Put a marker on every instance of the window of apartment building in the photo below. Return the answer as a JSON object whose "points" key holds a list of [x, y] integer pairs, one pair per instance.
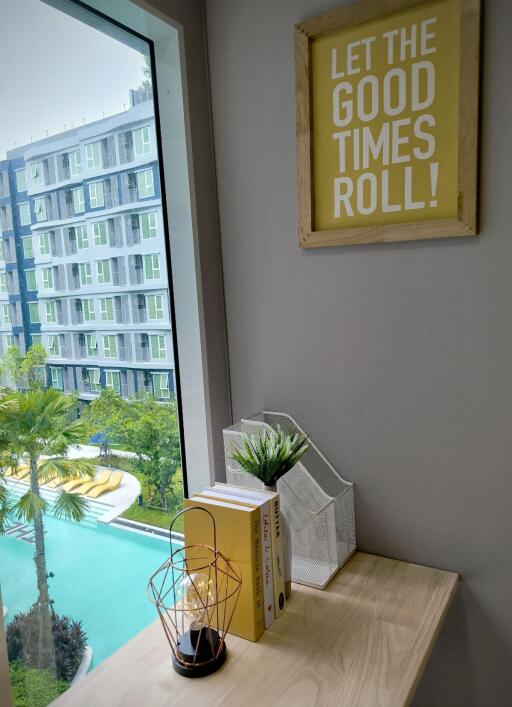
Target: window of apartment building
{"points": [[160, 385], [36, 173], [157, 346], [31, 280], [51, 312], [96, 195], [142, 141], [103, 271], [3, 282], [107, 309], [155, 307], [145, 185], [6, 313], [44, 243], [28, 247], [25, 218], [47, 278], [40, 209], [21, 179], [33, 311], [88, 310], [2, 256], [9, 341], [93, 375], [93, 155], [84, 271], [82, 239], [37, 339], [100, 233], [151, 266], [78, 200], [53, 345], [113, 380], [110, 346], [91, 344], [75, 163], [147, 223], [57, 378]]}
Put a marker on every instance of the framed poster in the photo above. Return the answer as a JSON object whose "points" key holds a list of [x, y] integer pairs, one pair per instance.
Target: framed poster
{"points": [[387, 122]]}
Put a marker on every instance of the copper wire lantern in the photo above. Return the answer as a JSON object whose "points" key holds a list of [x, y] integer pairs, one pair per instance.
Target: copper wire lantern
{"points": [[195, 592]]}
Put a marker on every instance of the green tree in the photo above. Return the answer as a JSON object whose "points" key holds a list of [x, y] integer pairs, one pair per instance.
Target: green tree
{"points": [[38, 427], [151, 431], [105, 415], [25, 371]]}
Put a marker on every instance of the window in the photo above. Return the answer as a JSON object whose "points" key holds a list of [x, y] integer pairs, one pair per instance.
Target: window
{"points": [[51, 312], [155, 307], [84, 270], [75, 163], [3, 282], [40, 208], [33, 310], [160, 385], [93, 155], [110, 346], [56, 378], [9, 341], [142, 141], [148, 224], [107, 309], [25, 218], [36, 339], [31, 280], [152, 267], [88, 310], [100, 232], [36, 173], [94, 379], [47, 277], [145, 186], [103, 271], [78, 200], [44, 243], [21, 179], [2, 256], [96, 196], [157, 346], [82, 240], [91, 344], [6, 313], [113, 380], [53, 345], [28, 247]]}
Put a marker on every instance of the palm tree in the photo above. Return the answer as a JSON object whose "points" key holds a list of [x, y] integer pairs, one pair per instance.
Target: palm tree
{"points": [[38, 426]]}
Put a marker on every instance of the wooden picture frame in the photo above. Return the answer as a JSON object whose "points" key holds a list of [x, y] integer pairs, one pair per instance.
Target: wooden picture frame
{"points": [[464, 221]]}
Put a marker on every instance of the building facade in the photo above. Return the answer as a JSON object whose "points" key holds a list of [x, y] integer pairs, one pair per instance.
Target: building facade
{"points": [[83, 264]]}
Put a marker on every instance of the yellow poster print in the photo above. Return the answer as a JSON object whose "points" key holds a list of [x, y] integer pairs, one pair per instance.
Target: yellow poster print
{"points": [[385, 119]]}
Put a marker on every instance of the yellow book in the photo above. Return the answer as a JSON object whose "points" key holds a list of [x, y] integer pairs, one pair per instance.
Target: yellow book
{"points": [[239, 539]]}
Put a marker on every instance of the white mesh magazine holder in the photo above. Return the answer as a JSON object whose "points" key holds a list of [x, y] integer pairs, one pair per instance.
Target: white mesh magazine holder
{"points": [[316, 501]]}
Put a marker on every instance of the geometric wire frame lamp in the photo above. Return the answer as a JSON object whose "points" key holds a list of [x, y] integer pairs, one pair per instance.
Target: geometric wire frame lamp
{"points": [[195, 592]]}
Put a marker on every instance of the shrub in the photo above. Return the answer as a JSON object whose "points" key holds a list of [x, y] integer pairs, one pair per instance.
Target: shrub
{"points": [[69, 640], [32, 687]]}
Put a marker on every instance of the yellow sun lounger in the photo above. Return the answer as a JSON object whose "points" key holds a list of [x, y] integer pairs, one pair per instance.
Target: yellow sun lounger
{"points": [[59, 480], [102, 479], [73, 484], [114, 483], [20, 473]]}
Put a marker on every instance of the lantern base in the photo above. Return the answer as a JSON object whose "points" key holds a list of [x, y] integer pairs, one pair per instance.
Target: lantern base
{"points": [[198, 663]]}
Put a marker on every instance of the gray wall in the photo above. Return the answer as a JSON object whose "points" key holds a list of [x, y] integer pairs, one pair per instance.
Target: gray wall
{"points": [[397, 359]]}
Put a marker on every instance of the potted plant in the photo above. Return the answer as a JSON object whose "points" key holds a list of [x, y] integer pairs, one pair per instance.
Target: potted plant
{"points": [[269, 456]]}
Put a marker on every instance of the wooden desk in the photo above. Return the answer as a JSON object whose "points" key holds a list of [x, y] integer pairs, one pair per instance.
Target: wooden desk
{"points": [[362, 642]]}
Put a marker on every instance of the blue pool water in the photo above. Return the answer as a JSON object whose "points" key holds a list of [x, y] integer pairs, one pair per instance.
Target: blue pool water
{"points": [[101, 573]]}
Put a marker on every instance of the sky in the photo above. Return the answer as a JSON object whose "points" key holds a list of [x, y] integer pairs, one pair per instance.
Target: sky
{"points": [[57, 73]]}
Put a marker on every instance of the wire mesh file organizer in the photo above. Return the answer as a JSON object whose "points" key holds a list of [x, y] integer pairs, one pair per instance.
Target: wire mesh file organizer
{"points": [[316, 501]]}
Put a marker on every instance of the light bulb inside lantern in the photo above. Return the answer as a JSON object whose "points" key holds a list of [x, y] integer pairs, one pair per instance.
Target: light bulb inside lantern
{"points": [[199, 597]]}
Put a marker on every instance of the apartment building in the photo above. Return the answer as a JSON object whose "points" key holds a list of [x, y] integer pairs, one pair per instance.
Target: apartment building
{"points": [[82, 264]]}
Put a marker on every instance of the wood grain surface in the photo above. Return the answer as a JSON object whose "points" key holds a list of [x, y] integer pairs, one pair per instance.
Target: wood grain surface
{"points": [[362, 642]]}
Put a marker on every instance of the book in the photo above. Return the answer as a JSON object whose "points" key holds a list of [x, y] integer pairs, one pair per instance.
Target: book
{"points": [[262, 501], [277, 540], [239, 540]]}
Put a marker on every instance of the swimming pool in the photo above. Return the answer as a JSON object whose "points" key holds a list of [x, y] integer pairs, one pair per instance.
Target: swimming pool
{"points": [[100, 577]]}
